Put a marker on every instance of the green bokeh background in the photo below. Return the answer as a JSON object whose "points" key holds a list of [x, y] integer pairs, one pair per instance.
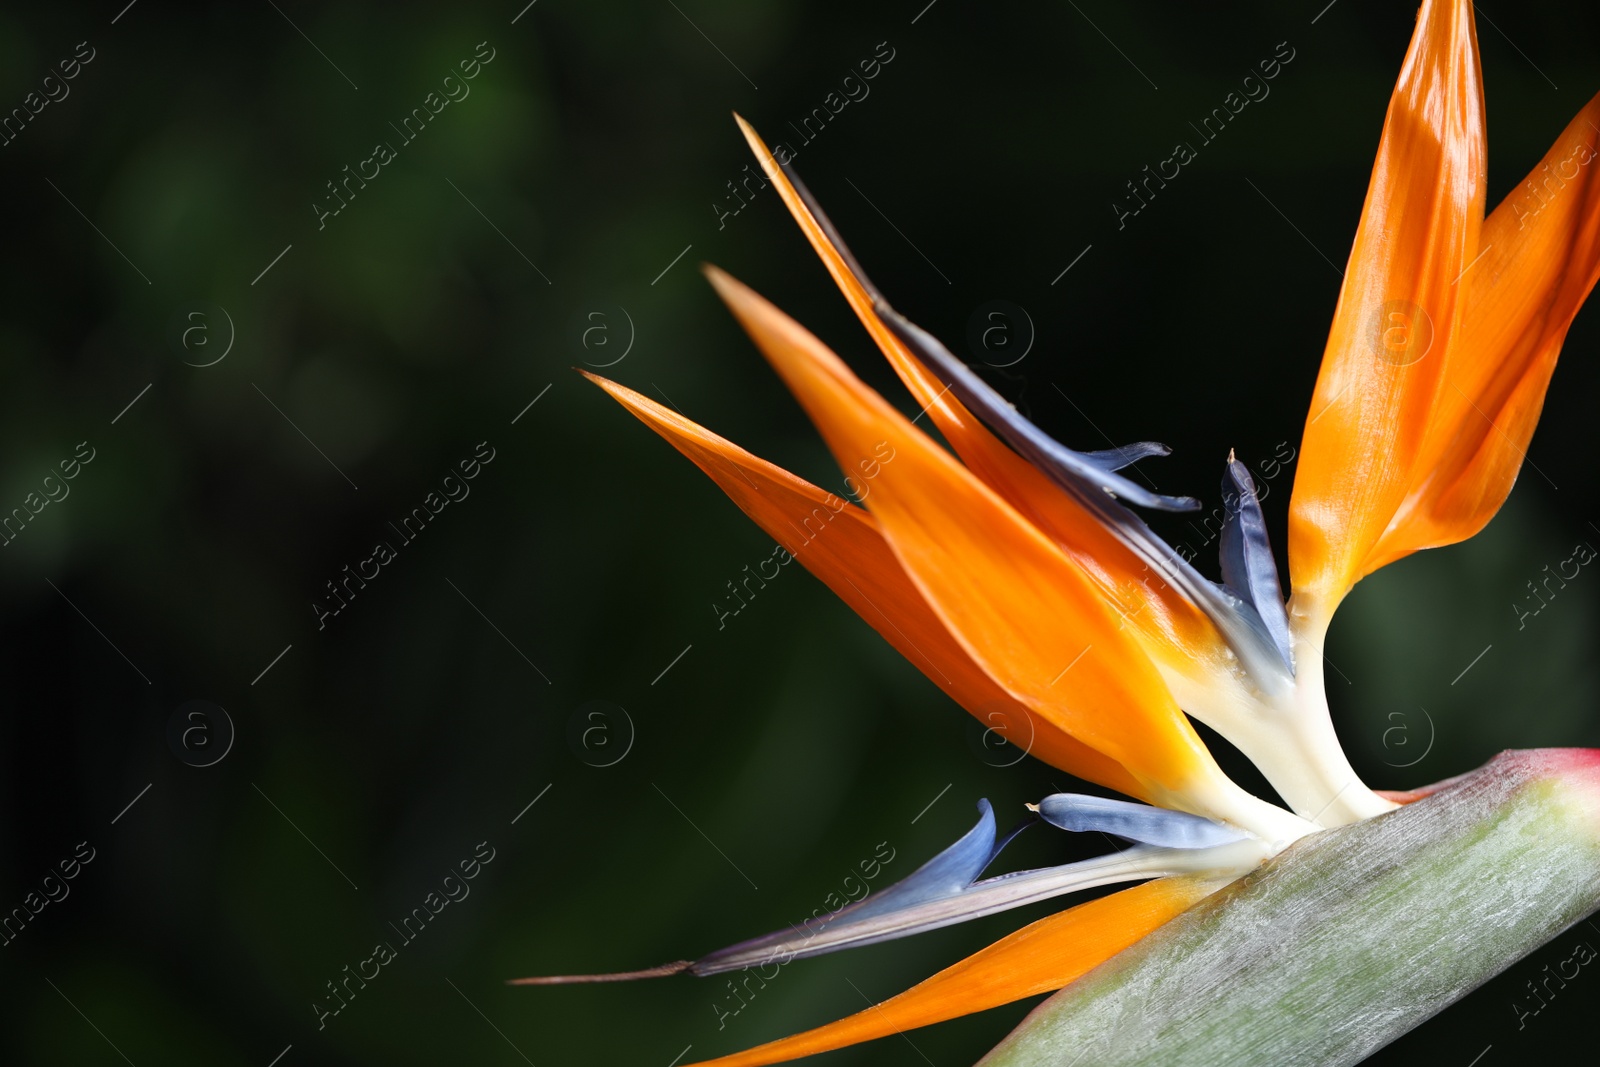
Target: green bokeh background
{"points": [[780, 750]]}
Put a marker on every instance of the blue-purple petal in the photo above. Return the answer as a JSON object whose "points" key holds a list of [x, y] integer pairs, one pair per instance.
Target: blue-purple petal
{"points": [[1248, 570], [1142, 823]]}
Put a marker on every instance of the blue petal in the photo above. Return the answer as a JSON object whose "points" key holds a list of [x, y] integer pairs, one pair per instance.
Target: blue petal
{"points": [[949, 872], [1135, 822], [1114, 459], [1096, 468], [941, 878], [981, 898], [942, 892], [1038, 447], [1248, 570]]}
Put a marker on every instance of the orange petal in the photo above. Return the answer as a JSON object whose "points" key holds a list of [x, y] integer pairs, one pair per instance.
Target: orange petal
{"points": [[1021, 609], [840, 544], [1540, 258], [1039, 958], [1170, 628], [1398, 311]]}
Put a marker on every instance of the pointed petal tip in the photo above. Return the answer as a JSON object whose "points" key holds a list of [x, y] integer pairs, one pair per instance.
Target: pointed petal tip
{"points": [[616, 389], [759, 147], [1377, 389], [759, 316], [664, 971], [730, 289], [734, 293], [857, 564]]}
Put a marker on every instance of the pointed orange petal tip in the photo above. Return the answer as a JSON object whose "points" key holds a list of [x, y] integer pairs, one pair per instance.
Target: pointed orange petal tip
{"points": [[750, 135], [1399, 311], [840, 544]]}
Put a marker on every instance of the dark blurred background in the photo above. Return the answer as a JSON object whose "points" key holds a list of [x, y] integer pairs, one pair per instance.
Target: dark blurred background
{"points": [[264, 389]]}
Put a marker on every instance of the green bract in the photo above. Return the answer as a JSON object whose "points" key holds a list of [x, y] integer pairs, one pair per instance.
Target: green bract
{"points": [[1348, 939]]}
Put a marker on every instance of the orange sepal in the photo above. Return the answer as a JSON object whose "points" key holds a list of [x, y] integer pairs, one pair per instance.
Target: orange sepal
{"points": [[840, 544], [1039, 958], [1023, 611], [1171, 628], [1398, 311], [1540, 259]]}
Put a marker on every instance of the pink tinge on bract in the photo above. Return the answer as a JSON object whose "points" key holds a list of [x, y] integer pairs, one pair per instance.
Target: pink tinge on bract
{"points": [[1575, 768]]}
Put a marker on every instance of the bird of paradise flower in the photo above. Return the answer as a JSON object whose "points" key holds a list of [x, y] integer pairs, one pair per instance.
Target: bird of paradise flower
{"points": [[1020, 580]]}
